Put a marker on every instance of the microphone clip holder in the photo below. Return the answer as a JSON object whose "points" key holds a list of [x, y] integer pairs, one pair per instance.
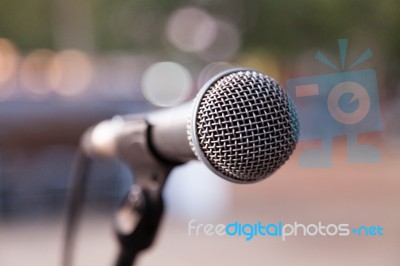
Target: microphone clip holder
{"points": [[137, 220]]}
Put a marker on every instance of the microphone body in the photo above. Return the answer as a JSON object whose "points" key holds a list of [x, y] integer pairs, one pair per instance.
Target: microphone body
{"points": [[241, 125], [168, 133]]}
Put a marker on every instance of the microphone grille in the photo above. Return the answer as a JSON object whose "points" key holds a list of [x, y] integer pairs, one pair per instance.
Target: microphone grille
{"points": [[244, 126]]}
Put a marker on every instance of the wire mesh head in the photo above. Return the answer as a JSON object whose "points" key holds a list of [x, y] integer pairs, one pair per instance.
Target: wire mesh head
{"points": [[243, 126]]}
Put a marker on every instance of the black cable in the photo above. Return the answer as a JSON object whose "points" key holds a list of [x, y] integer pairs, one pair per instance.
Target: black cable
{"points": [[78, 179], [126, 257]]}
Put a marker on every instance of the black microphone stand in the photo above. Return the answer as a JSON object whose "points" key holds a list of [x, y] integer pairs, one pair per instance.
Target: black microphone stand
{"points": [[137, 220]]}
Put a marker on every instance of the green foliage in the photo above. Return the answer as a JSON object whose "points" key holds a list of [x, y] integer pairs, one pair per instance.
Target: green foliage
{"points": [[26, 22], [283, 27]]}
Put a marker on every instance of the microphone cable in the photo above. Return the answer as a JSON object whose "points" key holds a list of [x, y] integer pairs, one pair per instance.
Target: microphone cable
{"points": [[79, 179]]}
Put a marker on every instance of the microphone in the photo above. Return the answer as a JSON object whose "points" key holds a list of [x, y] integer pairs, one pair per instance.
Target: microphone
{"points": [[241, 125]]}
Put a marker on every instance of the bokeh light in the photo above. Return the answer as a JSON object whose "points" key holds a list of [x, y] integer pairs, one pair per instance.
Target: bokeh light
{"points": [[166, 84], [191, 29], [33, 71], [8, 60], [210, 71], [193, 192], [70, 72], [225, 45]]}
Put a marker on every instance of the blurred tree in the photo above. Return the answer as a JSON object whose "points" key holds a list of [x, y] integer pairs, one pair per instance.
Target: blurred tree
{"points": [[27, 23], [285, 28]]}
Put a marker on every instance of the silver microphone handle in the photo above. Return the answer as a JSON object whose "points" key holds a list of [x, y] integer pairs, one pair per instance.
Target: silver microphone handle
{"points": [[168, 133]]}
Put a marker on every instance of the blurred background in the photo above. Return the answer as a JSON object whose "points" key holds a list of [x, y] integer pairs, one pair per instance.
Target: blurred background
{"points": [[66, 65]]}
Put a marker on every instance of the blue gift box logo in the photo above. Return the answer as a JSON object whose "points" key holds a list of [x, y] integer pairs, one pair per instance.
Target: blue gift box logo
{"points": [[330, 105]]}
